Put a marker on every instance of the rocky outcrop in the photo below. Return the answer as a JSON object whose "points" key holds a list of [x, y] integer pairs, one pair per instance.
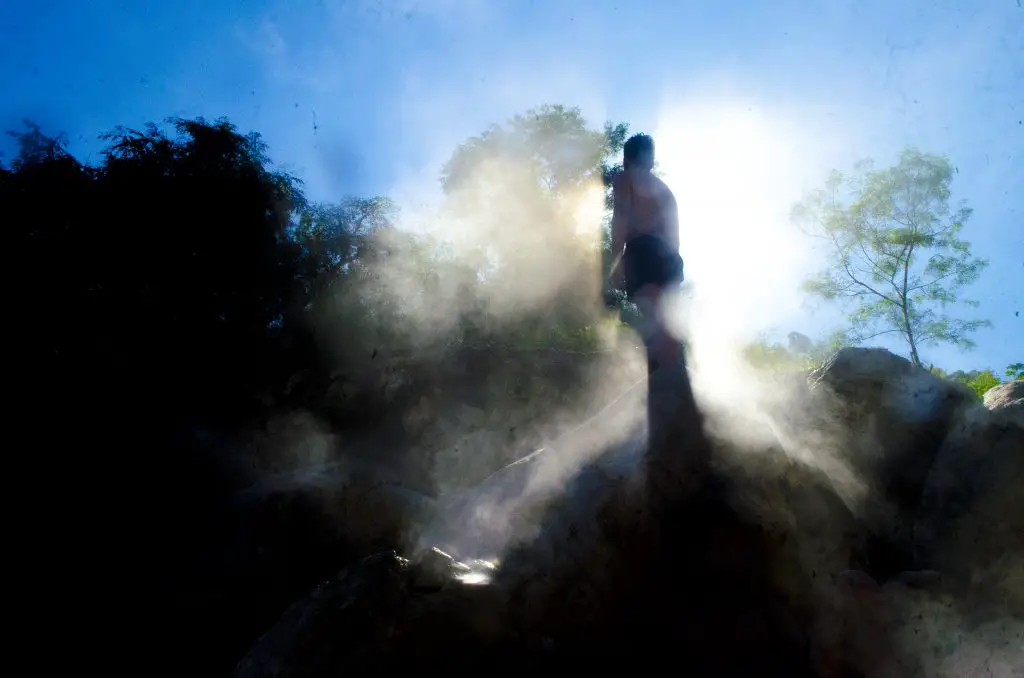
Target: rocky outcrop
{"points": [[772, 566], [970, 522], [1008, 400], [887, 419]]}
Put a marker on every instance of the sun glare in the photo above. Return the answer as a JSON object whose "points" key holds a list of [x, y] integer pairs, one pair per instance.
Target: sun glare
{"points": [[735, 173]]}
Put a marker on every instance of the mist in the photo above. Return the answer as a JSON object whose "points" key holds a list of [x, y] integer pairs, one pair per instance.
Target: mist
{"points": [[736, 166]]}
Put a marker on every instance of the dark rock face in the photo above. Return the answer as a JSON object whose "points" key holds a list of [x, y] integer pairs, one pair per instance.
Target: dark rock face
{"points": [[970, 522], [889, 418], [762, 568], [387, 614]]}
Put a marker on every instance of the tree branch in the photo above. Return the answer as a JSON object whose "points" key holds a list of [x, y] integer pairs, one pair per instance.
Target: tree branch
{"points": [[849, 273], [862, 337], [931, 282]]}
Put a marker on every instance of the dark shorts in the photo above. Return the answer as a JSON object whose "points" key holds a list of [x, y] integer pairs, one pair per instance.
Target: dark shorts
{"points": [[649, 260]]}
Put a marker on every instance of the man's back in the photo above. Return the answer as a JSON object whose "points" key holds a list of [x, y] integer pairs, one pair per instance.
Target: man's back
{"points": [[648, 206]]}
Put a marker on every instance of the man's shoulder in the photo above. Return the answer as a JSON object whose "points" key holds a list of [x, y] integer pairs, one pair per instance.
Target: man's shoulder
{"points": [[663, 188]]}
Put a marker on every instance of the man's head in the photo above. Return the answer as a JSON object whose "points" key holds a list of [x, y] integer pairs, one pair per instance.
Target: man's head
{"points": [[638, 152]]}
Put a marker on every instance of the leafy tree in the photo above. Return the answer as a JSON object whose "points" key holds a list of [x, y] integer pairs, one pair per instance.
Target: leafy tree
{"points": [[801, 353], [36, 148], [897, 260], [979, 381], [1015, 371], [337, 241], [517, 190], [164, 271]]}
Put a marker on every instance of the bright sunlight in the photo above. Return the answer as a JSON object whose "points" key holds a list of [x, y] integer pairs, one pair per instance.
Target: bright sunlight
{"points": [[735, 172]]}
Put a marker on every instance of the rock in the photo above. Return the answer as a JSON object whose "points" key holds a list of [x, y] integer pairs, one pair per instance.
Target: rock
{"points": [[888, 418], [970, 523], [600, 577], [376, 617], [920, 579], [765, 554], [357, 606], [504, 509], [1009, 394], [935, 638], [434, 570], [1008, 399]]}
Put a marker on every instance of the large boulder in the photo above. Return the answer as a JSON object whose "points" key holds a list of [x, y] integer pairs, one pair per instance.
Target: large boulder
{"points": [[604, 573], [915, 627], [384, 613], [600, 583], [970, 524], [1007, 399], [772, 553], [504, 509], [887, 418]]}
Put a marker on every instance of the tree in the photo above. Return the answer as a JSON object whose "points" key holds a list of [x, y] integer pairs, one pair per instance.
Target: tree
{"points": [[979, 381], [519, 191], [801, 354], [1015, 371], [166, 268], [337, 239], [896, 258]]}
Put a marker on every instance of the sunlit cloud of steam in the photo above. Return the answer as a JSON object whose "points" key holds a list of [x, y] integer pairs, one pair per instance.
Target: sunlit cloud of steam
{"points": [[736, 169]]}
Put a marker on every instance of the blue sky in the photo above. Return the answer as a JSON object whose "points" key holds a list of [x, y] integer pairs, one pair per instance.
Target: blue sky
{"points": [[369, 96]]}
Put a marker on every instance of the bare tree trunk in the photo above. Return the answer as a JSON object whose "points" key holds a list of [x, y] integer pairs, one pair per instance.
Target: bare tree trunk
{"points": [[905, 307], [914, 357]]}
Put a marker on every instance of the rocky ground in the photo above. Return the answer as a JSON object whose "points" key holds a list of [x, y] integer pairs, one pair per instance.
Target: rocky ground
{"points": [[878, 532]]}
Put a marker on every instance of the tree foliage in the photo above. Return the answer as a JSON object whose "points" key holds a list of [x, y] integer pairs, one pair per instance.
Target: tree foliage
{"points": [[1015, 371], [979, 381], [527, 198], [896, 256], [800, 353]]}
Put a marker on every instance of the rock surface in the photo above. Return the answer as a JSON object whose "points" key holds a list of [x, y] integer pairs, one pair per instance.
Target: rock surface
{"points": [[1007, 399], [772, 566]]}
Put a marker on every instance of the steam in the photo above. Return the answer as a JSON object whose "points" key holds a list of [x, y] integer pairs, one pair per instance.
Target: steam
{"points": [[736, 169]]}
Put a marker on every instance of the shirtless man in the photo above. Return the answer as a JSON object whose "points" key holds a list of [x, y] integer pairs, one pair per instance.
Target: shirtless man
{"points": [[645, 223]]}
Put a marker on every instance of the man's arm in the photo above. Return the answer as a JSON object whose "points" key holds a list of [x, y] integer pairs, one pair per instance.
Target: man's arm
{"points": [[672, 221]]}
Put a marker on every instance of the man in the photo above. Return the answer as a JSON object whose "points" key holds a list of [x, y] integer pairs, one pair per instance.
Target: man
{"points": [[645, 223]]}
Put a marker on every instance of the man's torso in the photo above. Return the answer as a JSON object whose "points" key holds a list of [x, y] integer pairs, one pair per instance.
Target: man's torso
{"points": [[649, 202]]}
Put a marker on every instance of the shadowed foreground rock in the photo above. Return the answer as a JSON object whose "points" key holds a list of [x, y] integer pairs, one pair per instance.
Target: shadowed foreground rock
{"points": [[766, 567], [385, 613]]}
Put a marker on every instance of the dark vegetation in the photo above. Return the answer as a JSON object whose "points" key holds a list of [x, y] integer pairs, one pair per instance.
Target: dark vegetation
{"points": [[185, 312]]}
